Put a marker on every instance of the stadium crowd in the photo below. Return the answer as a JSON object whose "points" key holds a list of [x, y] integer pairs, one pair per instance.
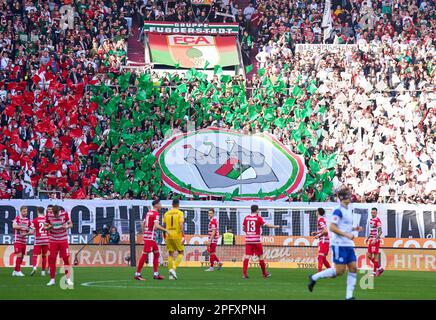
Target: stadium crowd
{"points": [[372, 105]]}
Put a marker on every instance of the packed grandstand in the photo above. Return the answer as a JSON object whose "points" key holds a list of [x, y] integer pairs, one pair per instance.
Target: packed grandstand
{"points": [[76, 122]]}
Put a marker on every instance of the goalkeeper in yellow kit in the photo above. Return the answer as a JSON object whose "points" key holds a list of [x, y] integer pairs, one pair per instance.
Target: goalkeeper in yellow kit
{"points": [[174, 222]]}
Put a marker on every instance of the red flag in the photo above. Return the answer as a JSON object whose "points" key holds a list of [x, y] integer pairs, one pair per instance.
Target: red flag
{"points": [[92, 120], [27, 110], [79, 194], [62, 182], [66, 140], [33, 153], [92, 147], [34, 180], [9, 110], [39, 114], [48, 144], [5, 176], [73, 168], [93, 106], [93, 178], [65, 154], [76, 133], [48, 76], [51, 181], [84, 148], [28, 97], [11, 86], [36, 79], [85, 181], [52, 167], [73, 118]]}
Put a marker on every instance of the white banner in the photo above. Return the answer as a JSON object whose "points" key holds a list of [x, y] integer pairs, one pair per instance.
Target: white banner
{"points": [[218, 162], [295, 219], [320, 48]]}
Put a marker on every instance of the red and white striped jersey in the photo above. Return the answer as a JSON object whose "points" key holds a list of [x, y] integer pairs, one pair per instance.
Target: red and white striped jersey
{"points": [[374, 224], [149, 228], [213, 224], [321, 225], [252, 224], [41, 235], [20, 235], [58, 233]]}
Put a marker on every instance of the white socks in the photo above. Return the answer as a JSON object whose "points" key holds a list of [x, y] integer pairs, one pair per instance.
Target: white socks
{"points": [[327, 273], [351, 283]]}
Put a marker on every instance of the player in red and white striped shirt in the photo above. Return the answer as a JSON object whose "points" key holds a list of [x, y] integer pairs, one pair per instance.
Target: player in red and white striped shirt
{"points": [[150, 225], [57, 223], [373, 241], [213, 241], [252, 226], [22, 229], [322, 235], [41, 241]]}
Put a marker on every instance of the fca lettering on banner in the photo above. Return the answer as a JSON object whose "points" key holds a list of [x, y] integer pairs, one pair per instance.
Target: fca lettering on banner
{"points": [[191, 40]]}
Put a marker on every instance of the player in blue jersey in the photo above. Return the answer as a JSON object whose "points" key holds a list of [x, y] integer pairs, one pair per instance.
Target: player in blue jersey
{"points": [[342, 245]]}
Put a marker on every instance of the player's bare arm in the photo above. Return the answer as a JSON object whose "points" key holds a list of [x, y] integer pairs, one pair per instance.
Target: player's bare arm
{"points": [[158, 227], [17, 226], [334, 228], [68, 224], [271, 226], [212, 236], [318, 235]]}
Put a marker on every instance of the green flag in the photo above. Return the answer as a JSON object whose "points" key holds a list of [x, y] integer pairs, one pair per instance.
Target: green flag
{"points": [[217, 70], [123, 80], [182, 88], [269, 114], [125, 186], [301, 148], [297, 92], [248, 69], [314, 166], [225, 78], [139, 175], [142, 95], [312, 88], [280, 122]]}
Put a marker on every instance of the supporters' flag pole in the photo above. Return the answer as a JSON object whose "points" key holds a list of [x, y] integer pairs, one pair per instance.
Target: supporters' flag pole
{"points": [[327, 20]]}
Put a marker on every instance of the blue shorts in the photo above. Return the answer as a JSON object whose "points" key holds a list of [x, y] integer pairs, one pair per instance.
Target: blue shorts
{"points": [[343, 255]]}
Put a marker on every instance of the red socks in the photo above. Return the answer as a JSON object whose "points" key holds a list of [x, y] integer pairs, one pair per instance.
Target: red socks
{"points": [[326, 263], [263, 266], [320, 262], [44, 262], [213, 258], [35, 261], [155, 261], [375, 263], [18, 262], [141, 262], [52, 266], [245, 267]]}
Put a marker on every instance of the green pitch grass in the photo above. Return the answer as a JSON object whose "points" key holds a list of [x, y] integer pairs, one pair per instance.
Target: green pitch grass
{"points": [[194, 283]]}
